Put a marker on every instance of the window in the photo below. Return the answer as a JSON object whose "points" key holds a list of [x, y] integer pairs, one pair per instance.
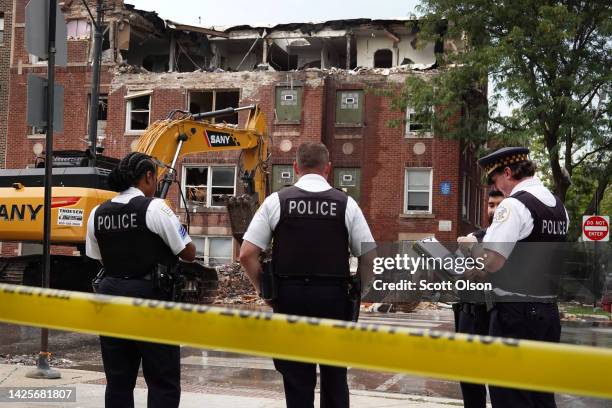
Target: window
{"points": [[206, 101], [417, 196], [479, 208], [383, 58], [78, 29], [288, 108], [282, 176], [35, 132], [349, 108], [348, 180], [465, 206], [37, 60], [102, 113], [1, 28], [137, 112], [418, 124], [214, 250], [204, 186]]}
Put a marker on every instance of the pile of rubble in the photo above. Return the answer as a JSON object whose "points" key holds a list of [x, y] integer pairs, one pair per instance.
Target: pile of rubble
{"points": [[235, 287], [30, 360]]}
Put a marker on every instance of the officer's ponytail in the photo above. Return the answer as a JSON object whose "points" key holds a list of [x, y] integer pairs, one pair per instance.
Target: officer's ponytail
{"points": [[130, 170]]}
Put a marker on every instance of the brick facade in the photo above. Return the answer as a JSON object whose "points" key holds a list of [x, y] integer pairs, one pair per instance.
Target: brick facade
{"points": [[6, 13], [381, 153]]}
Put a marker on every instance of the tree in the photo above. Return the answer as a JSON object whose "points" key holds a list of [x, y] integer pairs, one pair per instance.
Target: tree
{"points": [[552, 59]]}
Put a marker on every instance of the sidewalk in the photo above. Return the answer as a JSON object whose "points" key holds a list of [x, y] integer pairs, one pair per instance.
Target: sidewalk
{"points": [[90, 394]]}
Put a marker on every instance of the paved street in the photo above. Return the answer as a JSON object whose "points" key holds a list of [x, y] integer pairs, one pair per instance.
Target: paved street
{"points": [[215, 378]]}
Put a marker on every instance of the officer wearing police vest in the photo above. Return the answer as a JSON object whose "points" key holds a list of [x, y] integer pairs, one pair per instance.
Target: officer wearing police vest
{"points": [[132, 235], [472, 313], [518, 264], [313, 226]]}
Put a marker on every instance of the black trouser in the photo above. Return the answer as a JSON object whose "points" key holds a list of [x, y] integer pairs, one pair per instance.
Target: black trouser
{"points": [[472, 318], [314, 299], [161, 364], [530, 321]]}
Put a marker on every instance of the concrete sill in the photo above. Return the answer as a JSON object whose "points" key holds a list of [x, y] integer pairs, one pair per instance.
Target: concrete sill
{"points": [[220, 210], [417, 215], [134, 133], [349, 125], [37, 136], [416, 135], [293, 122]]}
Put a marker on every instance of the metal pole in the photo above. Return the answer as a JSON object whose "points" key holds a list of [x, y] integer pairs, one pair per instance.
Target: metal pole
{"points": [[42, 367], [95, 85]]}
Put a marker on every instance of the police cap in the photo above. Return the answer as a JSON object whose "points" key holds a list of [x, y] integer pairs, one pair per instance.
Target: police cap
{"points": [[502, 158]]}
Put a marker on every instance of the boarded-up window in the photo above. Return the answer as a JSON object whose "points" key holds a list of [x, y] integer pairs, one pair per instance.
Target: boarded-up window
{"points": [[349, 107], [348, 179], [282, 176], [288, 104]]}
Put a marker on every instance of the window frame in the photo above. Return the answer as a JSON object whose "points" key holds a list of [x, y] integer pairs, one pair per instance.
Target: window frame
{"points": [[417, 134], [466, 201], [300, 104], [214, 91], [407, 191], [206, 253], [128, 111], [209, 185], [2, 23]]}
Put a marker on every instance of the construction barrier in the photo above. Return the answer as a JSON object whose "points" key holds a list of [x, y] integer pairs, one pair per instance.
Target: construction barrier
{"points": [[481, 359]]}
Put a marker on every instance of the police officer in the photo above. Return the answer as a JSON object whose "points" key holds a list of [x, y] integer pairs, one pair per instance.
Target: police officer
{"points": [[525, 301], [472, 315], [313, 226], [131, 234]]}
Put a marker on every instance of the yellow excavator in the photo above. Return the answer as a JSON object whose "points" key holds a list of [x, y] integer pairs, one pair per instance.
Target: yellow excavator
{"points": [[78, 188]]}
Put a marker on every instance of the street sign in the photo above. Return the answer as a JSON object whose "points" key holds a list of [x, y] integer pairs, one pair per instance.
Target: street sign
{"points": [[37, 103], [37, 31], [596, 228]]}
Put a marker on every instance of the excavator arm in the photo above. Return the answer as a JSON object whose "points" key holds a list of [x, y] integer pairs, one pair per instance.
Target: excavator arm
{"points": [[170, 139]]}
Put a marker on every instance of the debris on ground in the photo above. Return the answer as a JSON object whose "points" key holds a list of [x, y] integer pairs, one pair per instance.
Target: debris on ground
{"points": [[235, 287], [30, 360]]}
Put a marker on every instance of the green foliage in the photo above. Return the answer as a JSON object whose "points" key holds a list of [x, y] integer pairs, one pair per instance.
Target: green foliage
{"points": [[550, 59]]}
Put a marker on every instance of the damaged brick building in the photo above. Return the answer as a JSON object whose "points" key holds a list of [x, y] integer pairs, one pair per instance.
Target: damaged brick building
{"points": [[315, 82]]}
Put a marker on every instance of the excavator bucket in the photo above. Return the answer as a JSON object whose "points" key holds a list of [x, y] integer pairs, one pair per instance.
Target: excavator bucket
{"points": [[241, 210]]}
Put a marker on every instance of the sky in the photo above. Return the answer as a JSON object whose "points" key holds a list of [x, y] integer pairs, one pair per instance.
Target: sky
{"points": [[238, 12]]}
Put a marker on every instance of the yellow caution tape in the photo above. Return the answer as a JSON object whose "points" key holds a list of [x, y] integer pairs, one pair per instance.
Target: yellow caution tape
{"points": [[481, 359]]}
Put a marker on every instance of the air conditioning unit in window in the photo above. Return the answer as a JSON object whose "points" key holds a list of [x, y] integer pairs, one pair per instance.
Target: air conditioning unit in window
{"points": [[347, 180]]}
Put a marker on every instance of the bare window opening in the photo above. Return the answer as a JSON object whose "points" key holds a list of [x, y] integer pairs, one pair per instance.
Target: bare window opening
{"points": [[383, 58], [207, 101], [138, 113], [205, 185], [103, 107]]}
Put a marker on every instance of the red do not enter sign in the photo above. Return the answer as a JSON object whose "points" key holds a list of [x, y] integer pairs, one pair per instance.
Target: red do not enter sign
{"points": [[596, 228]]}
